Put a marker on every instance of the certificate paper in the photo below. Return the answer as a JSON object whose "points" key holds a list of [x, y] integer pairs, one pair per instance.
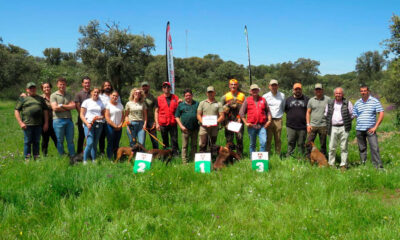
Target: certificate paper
{"points": [[234, 126], [209, 120]]}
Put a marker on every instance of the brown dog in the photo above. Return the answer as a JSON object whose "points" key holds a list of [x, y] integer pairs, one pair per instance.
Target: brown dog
{"points": [[164, 154], [225, 156], [124, 151], [316, 155]]}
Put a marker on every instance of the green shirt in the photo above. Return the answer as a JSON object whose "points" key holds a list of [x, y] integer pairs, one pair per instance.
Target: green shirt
{"points": [[187, 114], [207, 108], [31, 110], [61, 99], [317, 106], [150, 102]]}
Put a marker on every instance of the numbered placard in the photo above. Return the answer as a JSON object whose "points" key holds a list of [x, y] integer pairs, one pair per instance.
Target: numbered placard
{"points": [[259, 161], [142, 162], [234, 126], [202, 162]]}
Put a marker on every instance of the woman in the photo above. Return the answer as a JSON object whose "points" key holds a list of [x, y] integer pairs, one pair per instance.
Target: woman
{"points": [[92, 115], [114, 116], [46, 89], [136, 114]]}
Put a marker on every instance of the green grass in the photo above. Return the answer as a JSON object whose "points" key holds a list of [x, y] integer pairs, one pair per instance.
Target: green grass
{"points": [[48, 199]]}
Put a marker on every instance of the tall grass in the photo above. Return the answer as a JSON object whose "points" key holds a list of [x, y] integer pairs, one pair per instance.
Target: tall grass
{"points": [[48, 199]]}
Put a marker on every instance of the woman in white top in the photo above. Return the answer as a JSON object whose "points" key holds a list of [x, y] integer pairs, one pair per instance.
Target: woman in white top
{"points": [[115, 118], [92, 115], [136, 114]]}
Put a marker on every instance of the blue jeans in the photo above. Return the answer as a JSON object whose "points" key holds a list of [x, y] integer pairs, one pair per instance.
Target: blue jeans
{"points": [[262, 135], [64, 127], [92, 139], [113, 138], [137, 132], [32, 140]]}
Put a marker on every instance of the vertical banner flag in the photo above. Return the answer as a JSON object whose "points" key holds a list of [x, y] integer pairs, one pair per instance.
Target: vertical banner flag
{"points": [[202, 162], [170, 60], [142, 162], [248, 51], [259, 161]]}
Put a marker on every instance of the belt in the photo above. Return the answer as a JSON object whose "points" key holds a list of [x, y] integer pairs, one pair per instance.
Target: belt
{"points": [[276, 118], [338, 125]]}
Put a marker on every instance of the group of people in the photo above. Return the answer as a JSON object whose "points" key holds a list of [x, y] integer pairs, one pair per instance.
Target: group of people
{"points": [[102, 115]]}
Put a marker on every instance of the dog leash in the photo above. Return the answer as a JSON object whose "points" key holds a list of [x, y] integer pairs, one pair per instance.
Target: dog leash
{"points": [[151, 135]]}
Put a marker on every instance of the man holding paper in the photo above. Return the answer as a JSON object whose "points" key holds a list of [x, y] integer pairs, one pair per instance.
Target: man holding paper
{"points": [[209, 114], [231, 102], [258, 118]]}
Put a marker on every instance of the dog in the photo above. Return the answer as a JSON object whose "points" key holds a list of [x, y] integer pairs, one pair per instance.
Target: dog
{"points": [[76, 158], [124, 151], [316, 156], [231, 111], [164, 155], [226, 155]]}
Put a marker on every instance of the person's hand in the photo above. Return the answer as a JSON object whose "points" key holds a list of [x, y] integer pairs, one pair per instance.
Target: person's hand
{"points": [[239, 120], [45, 127], [23, 125], [185, 130], [249, 124], [267, 124], [309, 128], [158, 127], [89, 126], [372, 130]]}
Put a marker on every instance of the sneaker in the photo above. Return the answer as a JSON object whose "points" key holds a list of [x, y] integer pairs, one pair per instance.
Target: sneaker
{"points": [[84, 162]]}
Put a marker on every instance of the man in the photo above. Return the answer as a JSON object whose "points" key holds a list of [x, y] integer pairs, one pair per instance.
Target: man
{"points": [[31, 113], [296, 108], [150, 102], [209, 107], [338, 114], [315, 118], [62, 103], [231, 102], [164, 114], [79, 98], [258, 118], [106, 90], [186, 117], [276, 103], [365, 110]]}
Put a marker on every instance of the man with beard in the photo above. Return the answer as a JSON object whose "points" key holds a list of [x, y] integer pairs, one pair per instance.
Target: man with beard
{"points": [[151, 103], [296, 108], [106, 90], [79, 98]]}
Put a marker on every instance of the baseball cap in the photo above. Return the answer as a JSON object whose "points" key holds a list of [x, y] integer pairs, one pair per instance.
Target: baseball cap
{"points": [[254, 86], [318, 86], [145, 83], [297, 85], [210, 89], [166, 83], [30, 84], [273, 81]]}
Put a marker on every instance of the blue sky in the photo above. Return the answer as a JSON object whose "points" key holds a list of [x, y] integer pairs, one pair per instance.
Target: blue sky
{"points": [[332, 32]]}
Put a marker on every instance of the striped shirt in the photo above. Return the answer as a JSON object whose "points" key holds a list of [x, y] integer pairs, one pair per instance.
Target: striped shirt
{"points": [[366, 113]]}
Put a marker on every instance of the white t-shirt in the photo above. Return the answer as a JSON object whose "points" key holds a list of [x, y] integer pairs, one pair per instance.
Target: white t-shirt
{"points": [[93, 108], [115, 112], [276, 103]]}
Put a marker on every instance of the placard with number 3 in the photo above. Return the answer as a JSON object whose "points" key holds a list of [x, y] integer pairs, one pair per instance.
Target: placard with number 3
{"points": [[259, 161]]}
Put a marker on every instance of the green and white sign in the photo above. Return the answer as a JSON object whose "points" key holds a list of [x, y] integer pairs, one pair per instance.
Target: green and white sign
{"points": [[142, 162], [202, 162], [259, 161]]}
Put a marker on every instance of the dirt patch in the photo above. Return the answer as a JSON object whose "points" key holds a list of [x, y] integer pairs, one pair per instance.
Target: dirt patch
{"points": [[382, 136], [387, 196]]}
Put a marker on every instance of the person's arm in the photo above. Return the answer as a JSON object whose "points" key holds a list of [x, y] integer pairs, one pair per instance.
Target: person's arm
{"points": [[46, 120], [199, 117], [308, 120], [242, 114], [156, 118], [57, 107], [269, 116], [82, 115], [178, 120], [221, 115], [18, 117], [69, 106], [380, 118], [108, 119], [144, 117]]}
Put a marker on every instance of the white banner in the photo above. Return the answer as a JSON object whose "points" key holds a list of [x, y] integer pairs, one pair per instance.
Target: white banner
{"points": [[170, 60]]}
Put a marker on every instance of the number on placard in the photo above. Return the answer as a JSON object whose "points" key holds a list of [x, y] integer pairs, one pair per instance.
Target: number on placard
{"points": [[202, 168], [260, 166], [142, 166]]}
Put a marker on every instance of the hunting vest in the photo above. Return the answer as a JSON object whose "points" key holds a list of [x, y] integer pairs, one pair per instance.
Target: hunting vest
{"points": [[345, 115]]}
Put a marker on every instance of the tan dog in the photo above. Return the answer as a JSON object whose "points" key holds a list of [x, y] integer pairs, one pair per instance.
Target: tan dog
{"points": [[124, 151], [225, 155], [316, 155]]}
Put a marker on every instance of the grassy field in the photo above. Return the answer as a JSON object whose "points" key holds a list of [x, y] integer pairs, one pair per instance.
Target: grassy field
{"points": [[48, 199]]}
